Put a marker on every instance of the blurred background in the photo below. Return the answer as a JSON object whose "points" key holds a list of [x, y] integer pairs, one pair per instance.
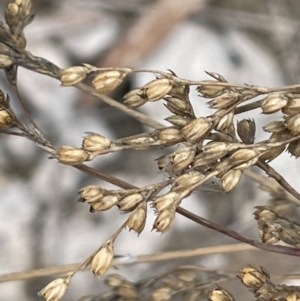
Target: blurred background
{"points": [[42, 225]]}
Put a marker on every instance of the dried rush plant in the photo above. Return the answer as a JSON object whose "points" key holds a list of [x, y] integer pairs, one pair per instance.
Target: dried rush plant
{"points": [[208, 146]]}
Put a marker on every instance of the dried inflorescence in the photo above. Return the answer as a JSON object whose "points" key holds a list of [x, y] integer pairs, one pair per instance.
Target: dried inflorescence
{"points": [[210, 146], [274, 228]]}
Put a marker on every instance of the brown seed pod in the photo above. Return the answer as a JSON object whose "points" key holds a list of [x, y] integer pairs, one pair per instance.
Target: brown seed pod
{"points": [[137, 218], [130, 202], [166, 200], [274, 127], [90, 194], [224, 101], [294, 148], [293, 124], [246, 130], [162, 294], [73, 75], [220, 294], [253, 278], [178, 121], [7, 118], [164, 219], [5, 61], [170, 136], [182, 157]]}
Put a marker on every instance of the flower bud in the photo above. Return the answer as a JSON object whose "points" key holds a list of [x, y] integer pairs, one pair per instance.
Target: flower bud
{"points": [[71, 155], [5, 61], [208, 90], [107, 81], [246, 130], [273, 103], [253, 278], [133, 98], [130, 202], [7, 119], [230, 179], [55, 289], [164, 201], [137, 218], [169, 136], [220, 294], [94, 142], [164, 219], [197, 129], [101, 261], [156, 89], [73, 75], [90, 194]]}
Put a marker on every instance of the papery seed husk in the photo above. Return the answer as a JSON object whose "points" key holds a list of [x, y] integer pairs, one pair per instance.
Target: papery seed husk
{"points": [[220, 294], [91, 193], [101, 261], [162, 294], [186, 180], [127, 291], [170, 135], [137, 218], [273, 153], [225, 122], [178, 121], [293, 105], [230, 179], [246, 130], [7, 119], [164, 219], [224, 101], [5, 61], [133, 99], [129, 202], [197, 129], [95, 142], [114, 280], [210, 91], [107, 81], [294, 148], [293, 124], [252, 278], [104, 203], [71, 155], [73, 75], [157, 89], [274, 127], [182, 157], [165, 201], [273, 103]]}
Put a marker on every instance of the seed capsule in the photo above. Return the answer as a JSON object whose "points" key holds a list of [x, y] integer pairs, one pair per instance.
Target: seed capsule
{"points": [[230, 179], [273, 103], [7, 119], [5, 61], [130, 202], [95, 142], [246, 130], [293, 124], [178, 121], [71, 155], [274, 127], [104, 203], [73, 75], [107, 81], [165, 201], [186, 180], [253, 278], [293, 105], [162, 294], [156, 89], [208, 90], [55, 289], [137, 218], [169, 136], [294, 148], [197, 129], [101, 261], [165, 219], [182, 157], [220, 294], [225, 122], [133, 99], [90, 194], [224, 101]]}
